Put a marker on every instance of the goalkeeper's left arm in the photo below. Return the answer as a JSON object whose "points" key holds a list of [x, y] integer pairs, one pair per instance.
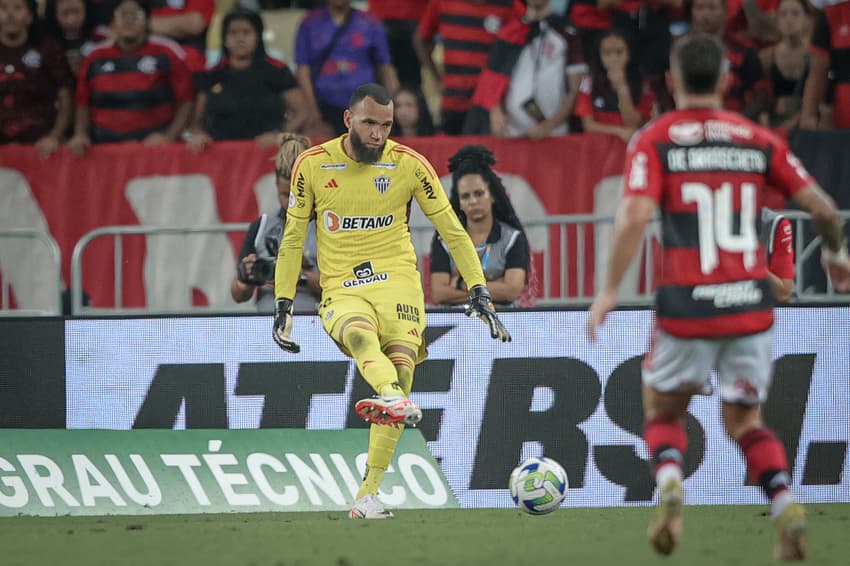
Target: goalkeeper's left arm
{"points": [[289, 256], [460, 246]]}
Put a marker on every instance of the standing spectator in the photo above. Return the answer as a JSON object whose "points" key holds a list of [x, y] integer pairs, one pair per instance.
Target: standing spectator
{"points": [[255, 269], [644, 24], [614, 100], [786, 64], [36, 83], [134, 87], [777, 238], [400, 21], [480, 201], [184, 21], [412, 116], [753, 19], [467, 28], [533, 73], [747, 92], [830, 52], [337, 49], [248, 95], [71, 23]]}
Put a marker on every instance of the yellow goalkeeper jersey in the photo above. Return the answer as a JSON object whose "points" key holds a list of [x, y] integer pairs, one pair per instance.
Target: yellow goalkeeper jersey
{"points": [[362, 210]]}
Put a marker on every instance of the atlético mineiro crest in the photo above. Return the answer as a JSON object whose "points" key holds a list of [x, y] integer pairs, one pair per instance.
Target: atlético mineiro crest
{"points": [[382, 183]]}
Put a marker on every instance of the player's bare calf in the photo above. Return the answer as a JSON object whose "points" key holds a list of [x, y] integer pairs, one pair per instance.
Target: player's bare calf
{"points": [[665, 529], [389, 411]]}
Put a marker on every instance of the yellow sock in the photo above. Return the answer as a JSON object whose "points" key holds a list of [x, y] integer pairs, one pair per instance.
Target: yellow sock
{"points": [[404, 366], [382, 442], [383, 438], [361, 339]]}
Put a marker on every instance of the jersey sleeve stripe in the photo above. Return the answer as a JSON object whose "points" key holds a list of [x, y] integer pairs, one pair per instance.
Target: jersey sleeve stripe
{"points": [[424, 162], [304, 155]]}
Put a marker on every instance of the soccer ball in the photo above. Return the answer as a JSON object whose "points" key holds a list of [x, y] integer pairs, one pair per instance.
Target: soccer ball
{"points": [[538, 485]]}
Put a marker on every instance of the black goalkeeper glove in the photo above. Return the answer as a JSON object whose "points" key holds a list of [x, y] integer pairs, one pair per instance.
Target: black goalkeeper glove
{"points": [[283, 326], [481, 306]]}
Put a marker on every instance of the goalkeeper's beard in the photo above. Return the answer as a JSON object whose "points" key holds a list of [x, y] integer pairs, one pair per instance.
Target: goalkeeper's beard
{"points": [[364, 153]]}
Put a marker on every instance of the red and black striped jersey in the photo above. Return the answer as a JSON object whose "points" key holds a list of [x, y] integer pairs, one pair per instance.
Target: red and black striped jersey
{"points": [[585, 14], [467, 30], [832, 38], [707, 169], [131, 95], [603, 105], [746, 73]]}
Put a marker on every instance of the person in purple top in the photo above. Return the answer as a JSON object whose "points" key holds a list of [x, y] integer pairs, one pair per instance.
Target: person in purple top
{"points": [[337, 49]]}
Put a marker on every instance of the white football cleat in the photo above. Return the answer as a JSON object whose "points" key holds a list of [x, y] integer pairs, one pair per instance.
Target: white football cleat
{"points": [[791, 531], [665, 529], [389, 411], [369, 507]]}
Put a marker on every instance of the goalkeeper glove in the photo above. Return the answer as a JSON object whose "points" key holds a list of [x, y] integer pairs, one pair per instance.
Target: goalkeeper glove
{"points": [[283, 326], [481, 306]]}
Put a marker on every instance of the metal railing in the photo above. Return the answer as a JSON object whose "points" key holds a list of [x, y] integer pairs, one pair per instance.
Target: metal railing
{"points": [[53, 277], [573, 257], [118, 232]]}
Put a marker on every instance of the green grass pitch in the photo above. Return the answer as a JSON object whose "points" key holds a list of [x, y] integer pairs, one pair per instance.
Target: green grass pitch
{"points": [[713, 535]]}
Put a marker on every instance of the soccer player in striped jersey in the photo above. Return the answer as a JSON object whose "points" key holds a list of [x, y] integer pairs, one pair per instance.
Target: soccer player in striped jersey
{"points": [[707, 168], [359, 186]]}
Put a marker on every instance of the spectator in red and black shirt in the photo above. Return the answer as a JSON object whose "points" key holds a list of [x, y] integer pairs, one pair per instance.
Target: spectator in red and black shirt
{"points": [[184, 21], [753, 19], [133, 88], [36, 81], [747, 92], [830, 51], [467, 28], [614, 100], [248, 95]]}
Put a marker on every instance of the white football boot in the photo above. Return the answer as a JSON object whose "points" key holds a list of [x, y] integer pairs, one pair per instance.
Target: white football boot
{"points": [[369, 507], [389, 411]]}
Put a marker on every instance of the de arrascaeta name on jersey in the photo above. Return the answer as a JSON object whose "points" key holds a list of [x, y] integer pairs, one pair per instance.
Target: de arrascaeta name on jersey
{"points": [[716, 159]]}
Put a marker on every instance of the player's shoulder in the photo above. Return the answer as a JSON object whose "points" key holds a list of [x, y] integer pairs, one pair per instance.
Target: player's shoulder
{"points": [[316, 154], [654, 131], [368, 18], [160, 44], [102, 49], [404, 155], [726, 125]]}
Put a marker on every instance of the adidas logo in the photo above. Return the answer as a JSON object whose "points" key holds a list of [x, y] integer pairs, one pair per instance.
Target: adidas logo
{"points": [[331, 184], [413, 332]]}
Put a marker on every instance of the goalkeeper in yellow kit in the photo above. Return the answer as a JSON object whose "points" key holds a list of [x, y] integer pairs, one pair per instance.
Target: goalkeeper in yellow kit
{"points": [[359, 186]]}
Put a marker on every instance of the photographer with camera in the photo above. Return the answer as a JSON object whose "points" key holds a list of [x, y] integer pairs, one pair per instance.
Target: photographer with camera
{"points": [[255, 269]]}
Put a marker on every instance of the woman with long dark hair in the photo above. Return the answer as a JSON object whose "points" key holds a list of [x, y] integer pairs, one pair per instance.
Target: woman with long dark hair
{"points": [[36, 90], [786, 64], [71, 23], [613, 99], [482, 204], [248, 95], [412, 116]]}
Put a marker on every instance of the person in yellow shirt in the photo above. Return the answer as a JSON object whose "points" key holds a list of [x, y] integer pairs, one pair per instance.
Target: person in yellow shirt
{"points": [[359, 186]]}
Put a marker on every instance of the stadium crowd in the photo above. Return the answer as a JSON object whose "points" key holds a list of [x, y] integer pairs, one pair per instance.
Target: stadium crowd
{"points": [[138, 70]]}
